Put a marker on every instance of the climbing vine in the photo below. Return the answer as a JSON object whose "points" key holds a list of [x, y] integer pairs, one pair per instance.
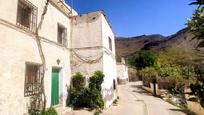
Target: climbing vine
{"points": [[38, 101]]}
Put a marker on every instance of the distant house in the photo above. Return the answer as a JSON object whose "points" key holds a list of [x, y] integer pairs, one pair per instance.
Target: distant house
{"points": [[20, 60], [68, 42], [122, 71], [93, 48]]}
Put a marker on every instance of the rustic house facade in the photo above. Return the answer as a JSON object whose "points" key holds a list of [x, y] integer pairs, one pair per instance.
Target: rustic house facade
{"points": [[34, 37], [122, 71], [93, 48], [20, 60]]}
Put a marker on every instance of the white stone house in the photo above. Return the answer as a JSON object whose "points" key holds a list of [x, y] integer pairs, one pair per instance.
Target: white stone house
{"points": [[93, 48], [122, 71], [64, 35], [20, 60]]}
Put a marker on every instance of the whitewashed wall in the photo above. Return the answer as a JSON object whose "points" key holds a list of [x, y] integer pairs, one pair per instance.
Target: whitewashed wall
{"points": [[109, 62], [18, 47], [90, 40], [122, 71]]}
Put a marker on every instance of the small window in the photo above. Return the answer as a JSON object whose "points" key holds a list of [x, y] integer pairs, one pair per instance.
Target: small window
{"points": [[62, 35], [27, 15], [110, 43], [114, 84], [32, 79]]}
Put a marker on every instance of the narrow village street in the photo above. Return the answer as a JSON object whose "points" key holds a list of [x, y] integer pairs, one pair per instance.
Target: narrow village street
{"points": [[133, 100]]}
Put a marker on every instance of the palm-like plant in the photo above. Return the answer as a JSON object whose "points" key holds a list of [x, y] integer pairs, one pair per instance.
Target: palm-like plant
{"points": [[197, 2], [196, 23]]}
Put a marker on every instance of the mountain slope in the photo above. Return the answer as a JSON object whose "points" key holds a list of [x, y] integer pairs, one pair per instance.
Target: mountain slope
{"points": [[182, 39]]}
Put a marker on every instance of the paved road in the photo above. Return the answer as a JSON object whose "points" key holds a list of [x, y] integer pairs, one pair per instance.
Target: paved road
{"points": [[135, 101], [128, 103], [154, 106]]}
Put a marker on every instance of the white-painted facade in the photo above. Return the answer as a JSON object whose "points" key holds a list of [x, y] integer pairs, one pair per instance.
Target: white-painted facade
{"points": [[93, 48], [18, 47], [122, 71]]}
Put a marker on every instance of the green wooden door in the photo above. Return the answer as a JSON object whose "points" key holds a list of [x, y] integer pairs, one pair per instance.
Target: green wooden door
{"points": [[55, 87]]}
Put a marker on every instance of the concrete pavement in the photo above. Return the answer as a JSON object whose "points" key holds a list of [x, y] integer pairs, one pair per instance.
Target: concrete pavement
{"points": [[154, 105], [133, 100], [128, 103]]}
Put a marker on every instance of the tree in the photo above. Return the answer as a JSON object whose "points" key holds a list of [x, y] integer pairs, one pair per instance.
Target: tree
{"points": [[197, 2], [142, 59], [196, 23]]}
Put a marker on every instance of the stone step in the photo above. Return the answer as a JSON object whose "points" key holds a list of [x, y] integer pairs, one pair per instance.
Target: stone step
{"points": [[61, 110]]}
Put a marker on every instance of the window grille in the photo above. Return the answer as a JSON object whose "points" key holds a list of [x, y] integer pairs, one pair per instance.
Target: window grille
{"points": [[27, 15], [32, 80]]}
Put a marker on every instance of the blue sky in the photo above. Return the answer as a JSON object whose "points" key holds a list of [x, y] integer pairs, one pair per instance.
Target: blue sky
{"points": [[138, 17]]}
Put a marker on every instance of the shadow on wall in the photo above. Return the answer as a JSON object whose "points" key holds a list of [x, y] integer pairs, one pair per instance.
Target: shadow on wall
{"points": [[109, 94]]}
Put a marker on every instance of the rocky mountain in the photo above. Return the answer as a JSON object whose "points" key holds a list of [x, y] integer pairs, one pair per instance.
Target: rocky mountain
{"points": [[156, 42]]}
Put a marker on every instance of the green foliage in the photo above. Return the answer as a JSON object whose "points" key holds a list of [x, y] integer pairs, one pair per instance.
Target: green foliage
{"points": [[95, 90], [172, 67], [175, 67], [198, 90], [91, 97], [166, 71], [196, 23], [34, 107], [142, 59], [78, 81], [97, 112], [79, 98], [96, 80], [95, 99], [197, 2], [148, 74], [175, 56], [49, 111]]}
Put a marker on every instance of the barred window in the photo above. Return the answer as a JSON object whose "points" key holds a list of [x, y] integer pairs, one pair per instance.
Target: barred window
{"points": [[32, 79], [27, 15], [62, 35]]}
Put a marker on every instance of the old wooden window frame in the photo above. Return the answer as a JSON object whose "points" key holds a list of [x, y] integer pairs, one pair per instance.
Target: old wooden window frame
{"points": [[61, 34], [27, 15], [32, 79]]}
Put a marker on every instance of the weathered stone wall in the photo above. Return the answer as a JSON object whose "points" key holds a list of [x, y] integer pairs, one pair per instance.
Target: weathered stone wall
{"points": [[86, 30], [90, 42]]}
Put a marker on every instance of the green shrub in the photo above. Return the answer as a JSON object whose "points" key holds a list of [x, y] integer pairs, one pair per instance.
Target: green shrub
{"points": [[96, 80], [96, 99], [78, 81], [78, 92], [198, 90], [148, 74], [91, 97], [79, 98], [97, 112], [142, 59], [49, 111]]}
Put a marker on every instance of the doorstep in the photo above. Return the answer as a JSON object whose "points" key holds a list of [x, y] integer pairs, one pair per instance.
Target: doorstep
{"points": [[61, 110]]}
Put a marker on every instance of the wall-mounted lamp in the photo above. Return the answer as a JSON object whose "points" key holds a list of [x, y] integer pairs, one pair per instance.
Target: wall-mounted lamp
{"points": [[58, 61]]}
